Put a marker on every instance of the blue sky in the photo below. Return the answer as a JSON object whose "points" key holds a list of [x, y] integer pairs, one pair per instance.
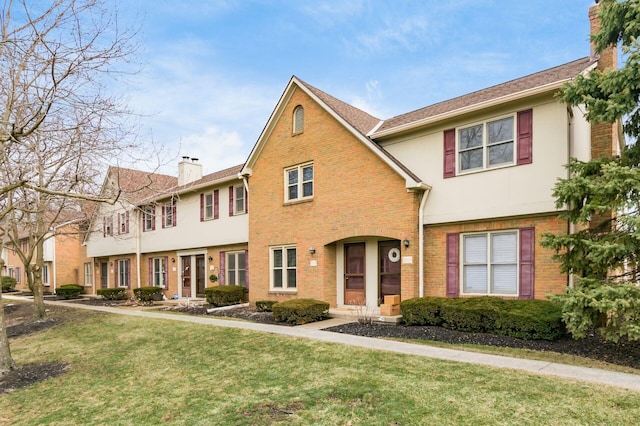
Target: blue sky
{"points": [[214, 70]]}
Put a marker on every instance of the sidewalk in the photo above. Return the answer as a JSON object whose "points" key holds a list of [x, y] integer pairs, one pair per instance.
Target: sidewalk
{"points": [[313, 331]]}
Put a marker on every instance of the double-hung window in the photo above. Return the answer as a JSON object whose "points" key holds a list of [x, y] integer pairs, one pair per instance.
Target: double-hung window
{"points": [[122, 274], [236, 268], [283, 268], [148, 218], [169, 214], [45, 274], [123, 223], [490, 263], [88, 274], [486, 145], [237, 200], [107, 226], [299, 182], [159, 272]]}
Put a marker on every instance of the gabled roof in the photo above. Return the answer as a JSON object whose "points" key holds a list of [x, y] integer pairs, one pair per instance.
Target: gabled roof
{"points": [[218, 177], [352, 118], [543, 81], [137, 185]]}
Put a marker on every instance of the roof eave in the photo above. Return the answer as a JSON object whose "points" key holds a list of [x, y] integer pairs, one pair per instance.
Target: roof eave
{"points": [[471, 108]]}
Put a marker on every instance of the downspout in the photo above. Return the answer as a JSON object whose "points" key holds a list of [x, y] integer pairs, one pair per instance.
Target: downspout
{"points": [[423, 203], [138, 244], [571, 227]]}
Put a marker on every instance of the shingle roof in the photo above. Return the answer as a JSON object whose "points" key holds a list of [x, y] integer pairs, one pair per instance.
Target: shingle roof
{"points": [[212, 177], [539, 79], [362, 121], [137, 185]]}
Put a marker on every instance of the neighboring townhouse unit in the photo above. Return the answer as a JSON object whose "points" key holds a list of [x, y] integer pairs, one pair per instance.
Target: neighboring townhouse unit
{"points": [[64, 257], [448, 200], [182, 234]]}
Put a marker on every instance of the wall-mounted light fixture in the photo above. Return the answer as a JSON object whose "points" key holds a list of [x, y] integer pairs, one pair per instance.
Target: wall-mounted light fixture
{"points": [[110, 263], [312, 250], [173, 260], [405, 243], [210, 259]]}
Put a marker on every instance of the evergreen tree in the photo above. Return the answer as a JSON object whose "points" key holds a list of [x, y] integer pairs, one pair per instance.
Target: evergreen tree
{"points": [[602, 197]]}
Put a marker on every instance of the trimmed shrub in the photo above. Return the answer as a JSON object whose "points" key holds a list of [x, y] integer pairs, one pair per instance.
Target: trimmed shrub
{"points": [[522, 319], [475, 314], [265, 305], [69, 291], [148, 294], [531, 320], [8, 284], [423, 310], [119, 293], [300, 311], [225, 295]]}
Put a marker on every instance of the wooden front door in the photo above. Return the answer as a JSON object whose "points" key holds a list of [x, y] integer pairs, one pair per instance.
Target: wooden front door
{"points": [[104, 274], [200, 275], [389, 261], [354, 276], [186, 276]]}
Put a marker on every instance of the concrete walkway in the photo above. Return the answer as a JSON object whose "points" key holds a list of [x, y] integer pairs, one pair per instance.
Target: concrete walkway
{"points": [[313, 331]]}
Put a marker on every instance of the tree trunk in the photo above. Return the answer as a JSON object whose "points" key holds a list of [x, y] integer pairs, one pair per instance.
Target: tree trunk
{"points": [[38, 286], [6, 362]]}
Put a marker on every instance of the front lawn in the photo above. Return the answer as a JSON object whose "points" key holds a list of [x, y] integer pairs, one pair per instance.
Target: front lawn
{"points": [[129, 370]]}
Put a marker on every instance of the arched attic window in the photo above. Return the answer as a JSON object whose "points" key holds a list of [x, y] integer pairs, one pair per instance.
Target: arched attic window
{"points": [[298, 119]]}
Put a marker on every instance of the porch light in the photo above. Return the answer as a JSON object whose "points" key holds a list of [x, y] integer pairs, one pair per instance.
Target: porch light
{"points": [[312, 250], [405, 243]]}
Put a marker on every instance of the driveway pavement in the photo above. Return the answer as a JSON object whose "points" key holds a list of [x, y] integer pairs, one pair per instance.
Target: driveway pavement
{"points": [[314, 331]]}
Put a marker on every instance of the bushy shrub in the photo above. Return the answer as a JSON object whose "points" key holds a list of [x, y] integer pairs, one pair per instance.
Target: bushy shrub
{"points": [[69, 291], [523, 319], [118, 293], [225, 295], [8, 284], [265, 305], [300, 311], [148, 294], [423, 310]]}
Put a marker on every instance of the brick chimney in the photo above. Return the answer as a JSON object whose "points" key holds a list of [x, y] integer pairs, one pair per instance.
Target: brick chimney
{"points": [[604, 136], [189, 170]]}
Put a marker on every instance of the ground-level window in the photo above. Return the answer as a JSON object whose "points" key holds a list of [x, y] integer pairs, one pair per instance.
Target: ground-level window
{"points": [[18, 276], [12, 272], [45, 274], [236, 268], [159, 271], [122, 274], [283, 268], [88, 274], [490, 263]]}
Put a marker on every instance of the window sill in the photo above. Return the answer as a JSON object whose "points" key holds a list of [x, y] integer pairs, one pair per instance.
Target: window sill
{"points": [[300, 201], [488, 169], [282, 292]]}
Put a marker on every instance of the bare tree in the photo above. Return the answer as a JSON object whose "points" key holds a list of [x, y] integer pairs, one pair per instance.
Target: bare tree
{"points": [[59, 126]]}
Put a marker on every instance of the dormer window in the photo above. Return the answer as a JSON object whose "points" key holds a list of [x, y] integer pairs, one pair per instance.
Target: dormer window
{"points": [[298, 119]]}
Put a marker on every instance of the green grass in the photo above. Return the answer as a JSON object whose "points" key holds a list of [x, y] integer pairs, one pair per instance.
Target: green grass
{"points": [[129, 370]]}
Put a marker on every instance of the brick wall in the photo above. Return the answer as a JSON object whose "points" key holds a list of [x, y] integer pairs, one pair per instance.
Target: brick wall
{"points": [[356, 194], [548, 278]]}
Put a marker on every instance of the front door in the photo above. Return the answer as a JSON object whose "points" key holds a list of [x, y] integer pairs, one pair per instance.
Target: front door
{"points": [[389, 261], [354, 277], [104, 274], [186, 276], [200, 275]]}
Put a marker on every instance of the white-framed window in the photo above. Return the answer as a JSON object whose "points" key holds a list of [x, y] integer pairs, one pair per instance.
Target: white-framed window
{"points": [[122, 275], [107, 225], [239, 206], [123, 223], [148, 218], [298, 119], [45, 275], [299, 182], [236, 268], [490, 263], [88, 274], [159, 271], [12, 272], [169, 214], [18, 276], [208, 205], [486, 145], [283, 268]]}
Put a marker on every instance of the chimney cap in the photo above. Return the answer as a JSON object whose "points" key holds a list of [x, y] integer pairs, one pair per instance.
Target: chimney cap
{"points": [[194, 159], [185, 157]]}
